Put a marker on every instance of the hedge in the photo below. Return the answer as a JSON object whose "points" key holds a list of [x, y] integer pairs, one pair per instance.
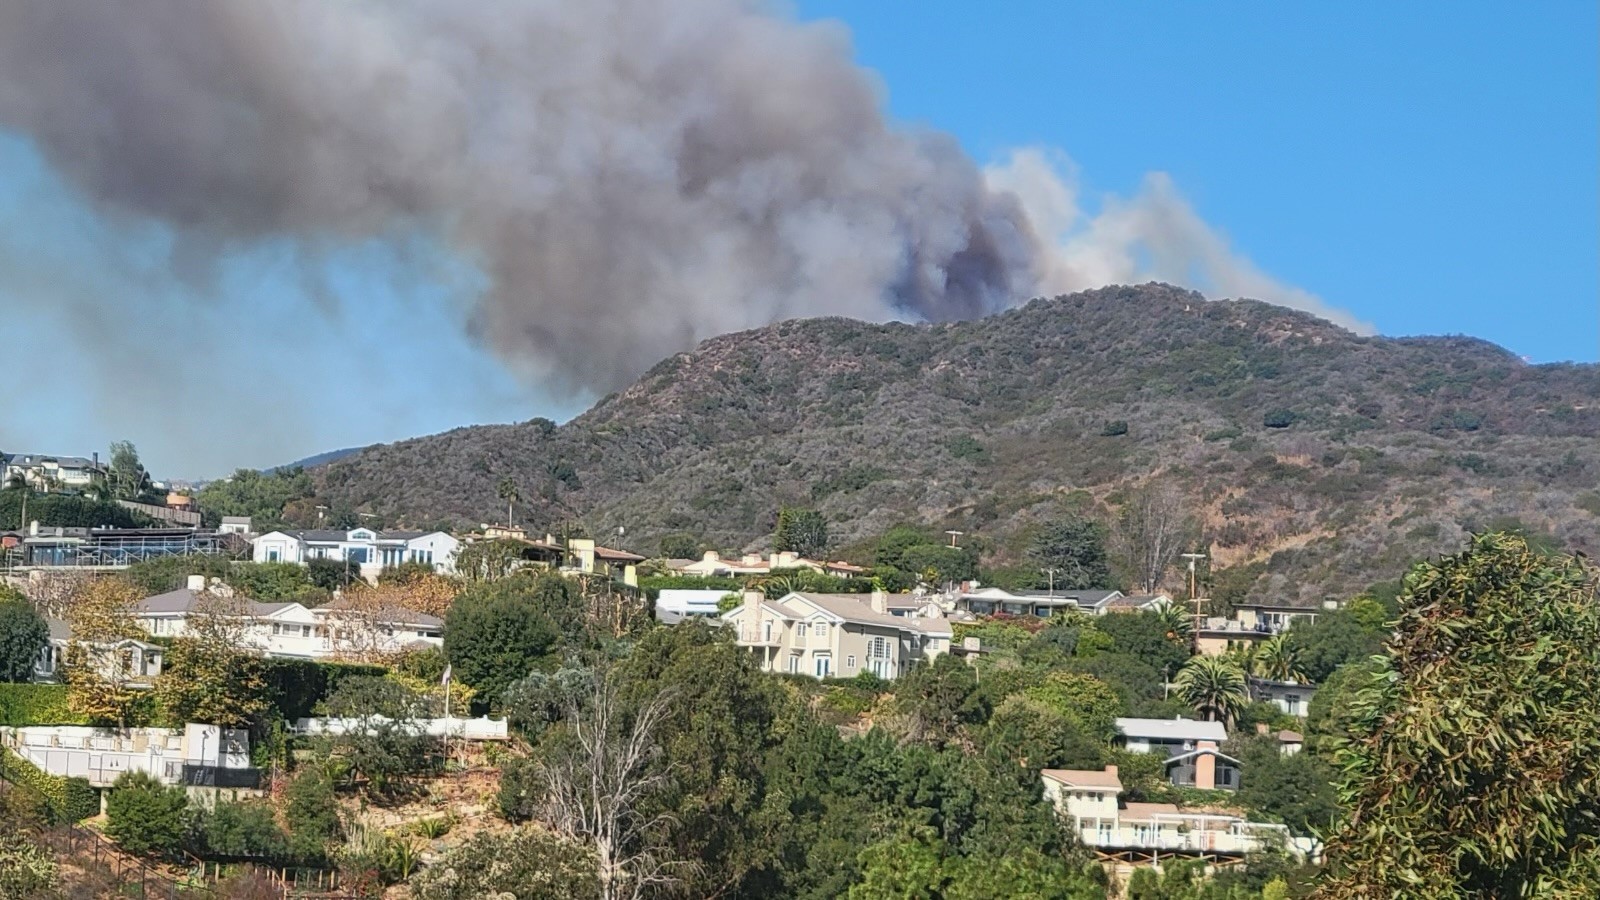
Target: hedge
{"points": [[296, 686], [69, 799], [36, 704]]}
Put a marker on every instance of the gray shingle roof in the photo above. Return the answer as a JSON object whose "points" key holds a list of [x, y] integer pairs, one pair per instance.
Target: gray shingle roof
{"points": [[179, 601], [857, 608]]}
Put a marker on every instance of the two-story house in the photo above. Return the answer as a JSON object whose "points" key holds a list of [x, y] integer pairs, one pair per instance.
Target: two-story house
{"points": [[337, 629], [835, 635], [368, 552], [1192, 750], [1142, 833], [1250, 625], [51, 473]]}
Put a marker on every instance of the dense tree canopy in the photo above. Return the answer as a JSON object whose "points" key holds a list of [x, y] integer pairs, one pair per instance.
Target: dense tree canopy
{"points": [[1476, 772], [499, 631], [23, 634], [802, 530], [1070, 554]]}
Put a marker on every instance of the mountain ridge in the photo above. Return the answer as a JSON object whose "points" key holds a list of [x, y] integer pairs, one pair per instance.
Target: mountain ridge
{"points": [[995, 424]]}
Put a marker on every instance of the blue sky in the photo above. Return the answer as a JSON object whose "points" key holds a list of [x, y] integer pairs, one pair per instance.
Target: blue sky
{"points": [[1429, 167]]}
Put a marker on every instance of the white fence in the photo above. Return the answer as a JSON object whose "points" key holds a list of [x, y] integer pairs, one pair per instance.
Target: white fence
{"points": [[481, 729]]}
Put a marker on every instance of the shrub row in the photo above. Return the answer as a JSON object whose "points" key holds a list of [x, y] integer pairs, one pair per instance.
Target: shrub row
{"points": [[296, 686], [69, 799], [36, 704]]}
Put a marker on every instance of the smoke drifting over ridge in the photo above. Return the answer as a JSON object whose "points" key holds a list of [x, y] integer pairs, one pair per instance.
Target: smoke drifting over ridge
{"points": [[630, 176]]}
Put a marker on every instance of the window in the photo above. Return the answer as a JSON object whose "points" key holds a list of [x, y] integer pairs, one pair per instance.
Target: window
{"points": [[422, 556], [800, 631], [769, 631], [849, 662], [272, 554], [823, 664], [794, 664], [822, 631]]}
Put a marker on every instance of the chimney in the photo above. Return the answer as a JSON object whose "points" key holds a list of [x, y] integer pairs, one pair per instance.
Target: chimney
{"points": [[197, 582], [33, 528], [1112, 771], [1205, 767], [752, 613], [1261, 728], [880, 601]]}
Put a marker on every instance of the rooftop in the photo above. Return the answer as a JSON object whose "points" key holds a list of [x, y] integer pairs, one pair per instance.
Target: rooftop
{"points": [[1085, 778], [1179, 729]]}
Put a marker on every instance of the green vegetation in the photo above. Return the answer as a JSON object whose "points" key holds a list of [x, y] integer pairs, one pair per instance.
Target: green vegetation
{"points": [[499, 631], [37, 704], [66, 799], [803, 531], [1474, 768], [997, 425], [146, 817], [23, 634]]}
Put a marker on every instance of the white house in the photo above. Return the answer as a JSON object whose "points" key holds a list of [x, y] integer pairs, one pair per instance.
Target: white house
{"points": [[46, 473], [1292, 697], [134, 662], [235, 525], [336, 629], [673, 605], [1144, 832], [838, 635], [365, 550]]}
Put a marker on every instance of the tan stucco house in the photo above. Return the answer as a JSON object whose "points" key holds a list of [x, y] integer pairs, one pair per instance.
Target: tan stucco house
{"points": [[838, 635]]}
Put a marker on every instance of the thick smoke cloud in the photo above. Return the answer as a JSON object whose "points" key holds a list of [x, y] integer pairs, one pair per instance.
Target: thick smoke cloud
{"points": [[630, 176]]}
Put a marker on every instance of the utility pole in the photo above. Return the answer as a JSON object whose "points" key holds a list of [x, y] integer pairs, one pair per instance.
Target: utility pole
{"points": [[1051, 573], [953, 535], [1194, 630]]}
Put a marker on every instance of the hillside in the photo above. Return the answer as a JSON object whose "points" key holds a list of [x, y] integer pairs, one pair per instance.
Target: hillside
{"points": [[1389, 448]]}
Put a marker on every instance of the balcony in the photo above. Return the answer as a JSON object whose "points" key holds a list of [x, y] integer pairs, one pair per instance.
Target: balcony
{"points": [[1237, 839], [750, 637]]}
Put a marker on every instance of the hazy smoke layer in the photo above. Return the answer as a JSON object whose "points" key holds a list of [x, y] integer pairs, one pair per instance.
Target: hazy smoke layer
{"points": [[630, 175]]}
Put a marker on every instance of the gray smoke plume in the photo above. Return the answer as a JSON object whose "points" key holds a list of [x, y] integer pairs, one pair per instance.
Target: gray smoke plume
{"points": [[630, 176]]}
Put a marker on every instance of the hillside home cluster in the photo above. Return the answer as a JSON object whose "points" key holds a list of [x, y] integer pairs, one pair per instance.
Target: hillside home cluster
{"points": [[290, 630], [840, 635], [713, 565]]}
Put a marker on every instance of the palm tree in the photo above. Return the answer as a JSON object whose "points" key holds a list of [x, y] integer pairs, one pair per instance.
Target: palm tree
{"points": [[1276, 659], [508, 492], [1215, 686], [1179, 624]]}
